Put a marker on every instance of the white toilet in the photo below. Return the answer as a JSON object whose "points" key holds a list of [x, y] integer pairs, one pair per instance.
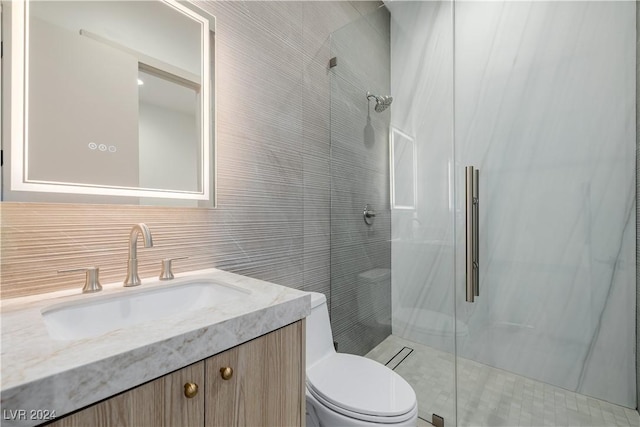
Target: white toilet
{"points": [[348, 390]]}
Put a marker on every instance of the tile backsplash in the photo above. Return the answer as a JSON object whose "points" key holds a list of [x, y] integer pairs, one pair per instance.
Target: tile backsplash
{"points": [[40, 238]]}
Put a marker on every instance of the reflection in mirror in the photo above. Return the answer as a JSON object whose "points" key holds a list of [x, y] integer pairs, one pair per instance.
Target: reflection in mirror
{"points": [[403, 170], [168, 134], [116, 100]]}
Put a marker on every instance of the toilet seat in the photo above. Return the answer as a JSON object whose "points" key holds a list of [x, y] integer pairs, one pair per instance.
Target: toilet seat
{"points": [[362, 389]]}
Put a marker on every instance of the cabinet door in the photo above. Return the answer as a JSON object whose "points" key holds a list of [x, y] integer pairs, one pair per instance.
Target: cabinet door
{"points": [[267, 385], [179, 409], [141, 406], [161, 402]]}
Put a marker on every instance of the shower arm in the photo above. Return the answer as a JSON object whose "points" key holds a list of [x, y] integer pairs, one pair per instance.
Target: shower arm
{"points": [[382, 102]]}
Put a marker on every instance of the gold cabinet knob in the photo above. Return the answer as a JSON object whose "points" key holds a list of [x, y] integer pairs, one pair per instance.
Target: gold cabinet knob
{"points": [[226, 373], [190, 390]]}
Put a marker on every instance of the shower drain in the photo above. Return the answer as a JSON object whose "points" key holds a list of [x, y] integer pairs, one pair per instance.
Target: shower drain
{"points": [[399, 357]]}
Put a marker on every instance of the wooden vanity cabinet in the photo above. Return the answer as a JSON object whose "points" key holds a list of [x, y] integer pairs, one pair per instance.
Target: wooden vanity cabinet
{"points": [[160, 402], [265, 386]]}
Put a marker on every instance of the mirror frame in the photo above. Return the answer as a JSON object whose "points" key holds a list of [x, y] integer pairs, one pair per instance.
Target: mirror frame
{"points": [[18, 124]]}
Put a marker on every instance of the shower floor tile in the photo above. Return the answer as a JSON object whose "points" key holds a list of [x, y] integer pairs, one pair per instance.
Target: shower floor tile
{"points": [[492, 397]]}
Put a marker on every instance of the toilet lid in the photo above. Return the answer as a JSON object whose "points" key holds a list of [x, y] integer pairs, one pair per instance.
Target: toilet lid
{"points": [[361, 386]]}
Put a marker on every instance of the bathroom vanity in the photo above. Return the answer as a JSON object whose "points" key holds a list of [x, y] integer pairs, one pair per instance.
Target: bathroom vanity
{"points": [[257, 383], [237, 359]]}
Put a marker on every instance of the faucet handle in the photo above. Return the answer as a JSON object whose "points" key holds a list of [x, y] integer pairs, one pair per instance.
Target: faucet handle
{"points": [[92, 280], [166, 273]]}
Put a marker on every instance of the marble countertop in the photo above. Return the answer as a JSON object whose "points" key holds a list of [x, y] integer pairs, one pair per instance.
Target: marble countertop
{"points": [[39, 373]]}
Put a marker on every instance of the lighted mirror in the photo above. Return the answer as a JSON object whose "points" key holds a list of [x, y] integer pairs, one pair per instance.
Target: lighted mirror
{"points": [[403, 170], [110, 101]]}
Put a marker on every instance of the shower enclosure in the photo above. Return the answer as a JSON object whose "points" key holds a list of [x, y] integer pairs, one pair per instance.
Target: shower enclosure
{"points": [[539, 98]]}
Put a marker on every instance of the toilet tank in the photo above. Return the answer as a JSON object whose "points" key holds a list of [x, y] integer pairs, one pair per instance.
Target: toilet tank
{"points": [[319, 337]]}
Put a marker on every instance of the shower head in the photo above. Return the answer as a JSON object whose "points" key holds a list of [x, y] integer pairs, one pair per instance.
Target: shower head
{"points": [[382, 102]]}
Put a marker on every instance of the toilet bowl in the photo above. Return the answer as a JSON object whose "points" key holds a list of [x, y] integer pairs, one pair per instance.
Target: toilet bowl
{"points": [[350, 390]]}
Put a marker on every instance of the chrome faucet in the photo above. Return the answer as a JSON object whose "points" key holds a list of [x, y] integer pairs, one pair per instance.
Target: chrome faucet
{"points": [[132, 265]]}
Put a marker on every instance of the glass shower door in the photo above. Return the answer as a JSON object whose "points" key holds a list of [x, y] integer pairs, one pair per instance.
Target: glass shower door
{"points": [[392, 274], [422, 203], [544, 111]]}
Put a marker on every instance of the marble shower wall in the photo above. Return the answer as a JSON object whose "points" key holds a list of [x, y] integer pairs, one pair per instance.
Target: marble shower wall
{"points": [[545, 108], [360, 253], [273, 220]]}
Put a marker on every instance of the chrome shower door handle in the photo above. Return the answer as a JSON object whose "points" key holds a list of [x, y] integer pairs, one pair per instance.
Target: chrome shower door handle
{"points": [[472, 280], [469, 234], [476, 233]]}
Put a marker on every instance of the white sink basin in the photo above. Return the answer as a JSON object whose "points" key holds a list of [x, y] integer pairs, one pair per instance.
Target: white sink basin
{"points": [[99, 314]]}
